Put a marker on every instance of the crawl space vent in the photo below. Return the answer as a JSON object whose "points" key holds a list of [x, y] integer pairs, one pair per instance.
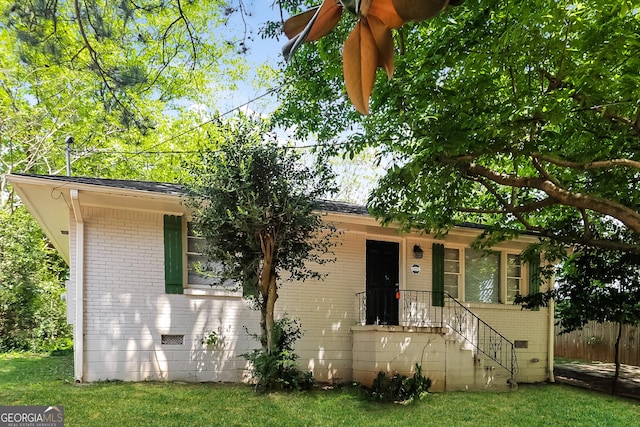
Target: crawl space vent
{"points": [[172, 339]]}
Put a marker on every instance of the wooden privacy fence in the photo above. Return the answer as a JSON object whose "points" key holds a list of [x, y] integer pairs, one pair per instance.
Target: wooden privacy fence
{"points": [[596, 342]]}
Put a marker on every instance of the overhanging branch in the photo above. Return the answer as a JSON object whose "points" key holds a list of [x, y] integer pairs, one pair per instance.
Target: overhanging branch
{"points": [[626, 215], [589, 165]]}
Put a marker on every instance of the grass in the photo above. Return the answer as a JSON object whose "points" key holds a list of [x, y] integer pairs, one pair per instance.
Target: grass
{"points": [[27, 379]]}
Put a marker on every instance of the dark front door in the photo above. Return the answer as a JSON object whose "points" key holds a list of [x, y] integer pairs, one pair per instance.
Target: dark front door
{"points": [[383, 260]]}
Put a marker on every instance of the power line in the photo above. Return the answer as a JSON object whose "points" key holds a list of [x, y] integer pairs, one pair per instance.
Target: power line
{"points": [[218, 116]]}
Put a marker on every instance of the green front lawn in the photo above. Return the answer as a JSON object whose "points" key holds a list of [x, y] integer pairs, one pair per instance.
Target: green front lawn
{"points": [[47, 380]]}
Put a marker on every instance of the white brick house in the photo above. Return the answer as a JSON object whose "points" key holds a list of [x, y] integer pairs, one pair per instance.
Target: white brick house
{"points": [[381, 306]]}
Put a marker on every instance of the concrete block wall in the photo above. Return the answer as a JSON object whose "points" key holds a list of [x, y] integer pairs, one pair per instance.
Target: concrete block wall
{"points": [[397, 349], [530, 327], [439, 351]]}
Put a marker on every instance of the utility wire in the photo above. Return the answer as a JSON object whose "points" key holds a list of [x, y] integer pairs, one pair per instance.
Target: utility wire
{"points": [[218, 116]]}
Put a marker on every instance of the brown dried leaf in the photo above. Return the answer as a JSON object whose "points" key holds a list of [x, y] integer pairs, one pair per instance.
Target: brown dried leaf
{"points": [[418, 10], [330, 14], [386, 12], [360, 59], [384, 43], [294, 25]]}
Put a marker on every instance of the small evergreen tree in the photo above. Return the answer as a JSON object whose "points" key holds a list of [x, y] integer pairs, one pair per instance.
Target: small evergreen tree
{"points": [[255, 204]]}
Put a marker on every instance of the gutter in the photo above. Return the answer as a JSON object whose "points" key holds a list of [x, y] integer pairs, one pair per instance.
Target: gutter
{"points": [[78, 328], [552, 339]]}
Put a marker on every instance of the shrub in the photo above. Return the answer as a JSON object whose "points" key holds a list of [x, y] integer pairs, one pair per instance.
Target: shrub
{"points": [[278, 369], [400, 388]]}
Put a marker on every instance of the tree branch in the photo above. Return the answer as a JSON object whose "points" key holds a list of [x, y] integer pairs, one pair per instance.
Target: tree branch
{"points": [[508, 206], [628, 216], [96, 61], [530, 207], [543, 172], [589, 165], [587, 241]]}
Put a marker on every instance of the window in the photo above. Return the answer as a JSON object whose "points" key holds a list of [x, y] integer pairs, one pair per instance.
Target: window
{"points": [[196, 261], [514, 277], [482, 276], [451, 271], [191, 280]]}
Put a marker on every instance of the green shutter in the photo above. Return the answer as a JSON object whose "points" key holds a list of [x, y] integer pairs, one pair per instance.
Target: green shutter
{"points": [[534, 276], [437, 271], [173, 254]]}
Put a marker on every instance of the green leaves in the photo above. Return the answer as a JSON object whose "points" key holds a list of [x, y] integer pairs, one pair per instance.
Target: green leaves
{"points": [[120, 77], [530, 94], [267, 193], [32, 313]]}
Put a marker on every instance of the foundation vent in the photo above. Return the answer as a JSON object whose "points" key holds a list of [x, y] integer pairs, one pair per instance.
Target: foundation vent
{"points": [[172, 339]]}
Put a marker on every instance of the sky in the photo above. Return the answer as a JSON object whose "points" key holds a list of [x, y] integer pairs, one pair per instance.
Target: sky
{"points": [[260, 51], [356, 178]]}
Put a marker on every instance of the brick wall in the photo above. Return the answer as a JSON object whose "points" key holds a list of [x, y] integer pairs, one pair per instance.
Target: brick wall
{"points": [[128, 311]]}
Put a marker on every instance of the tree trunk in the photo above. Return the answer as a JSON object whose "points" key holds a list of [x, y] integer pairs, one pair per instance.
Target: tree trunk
{"points": [[272, 296], [267, 309], [617, 360], [267, 287]]}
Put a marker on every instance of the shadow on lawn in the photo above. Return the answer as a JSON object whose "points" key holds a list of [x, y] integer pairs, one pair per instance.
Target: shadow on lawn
{"points": [[599, 376]]}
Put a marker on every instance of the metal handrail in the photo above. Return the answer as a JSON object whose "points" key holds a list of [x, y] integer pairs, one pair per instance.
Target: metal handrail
{"points": [[418, 310], [488, 340]]}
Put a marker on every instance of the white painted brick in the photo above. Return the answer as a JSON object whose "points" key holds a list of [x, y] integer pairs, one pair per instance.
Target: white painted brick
{"points": [[128, 312]]}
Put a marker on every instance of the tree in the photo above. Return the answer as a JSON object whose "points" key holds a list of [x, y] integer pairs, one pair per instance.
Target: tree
{"points": [[120, 77], [522, 116], [599, 285], [32, 313], [255, 205]]}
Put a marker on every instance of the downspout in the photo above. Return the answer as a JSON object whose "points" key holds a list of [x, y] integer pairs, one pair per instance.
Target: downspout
{"points": [[78, 328], [552, 339]]}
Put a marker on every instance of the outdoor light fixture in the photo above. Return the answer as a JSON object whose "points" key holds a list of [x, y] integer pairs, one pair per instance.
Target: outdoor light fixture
{"points": [[417, 251]]}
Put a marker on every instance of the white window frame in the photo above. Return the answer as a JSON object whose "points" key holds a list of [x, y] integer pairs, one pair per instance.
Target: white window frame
{"points": [[227, 289], [460, 273], [503, 278]]}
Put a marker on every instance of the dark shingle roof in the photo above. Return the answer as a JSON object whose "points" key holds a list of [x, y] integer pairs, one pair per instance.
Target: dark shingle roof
{"points": [[178, 190], [127, 184], [342, 207]]}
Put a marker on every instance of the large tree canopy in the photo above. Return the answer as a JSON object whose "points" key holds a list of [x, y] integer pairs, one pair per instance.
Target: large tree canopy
{"points": [[121, 77], [524, 116]]}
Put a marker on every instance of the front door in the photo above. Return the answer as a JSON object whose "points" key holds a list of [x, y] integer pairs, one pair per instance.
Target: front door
{"points": [[383, 264]]}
